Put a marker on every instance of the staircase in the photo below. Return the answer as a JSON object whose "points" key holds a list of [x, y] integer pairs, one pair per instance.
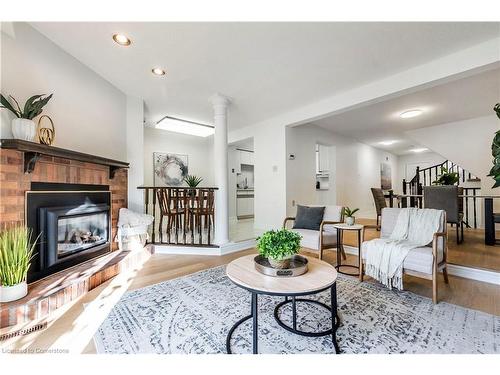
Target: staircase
{"points": [[426, 176]]}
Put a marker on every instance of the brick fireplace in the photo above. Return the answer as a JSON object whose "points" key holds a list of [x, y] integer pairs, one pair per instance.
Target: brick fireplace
{"points": [[24, 167]]}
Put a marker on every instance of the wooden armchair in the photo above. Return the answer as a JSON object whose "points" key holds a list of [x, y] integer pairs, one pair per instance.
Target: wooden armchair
{"points": [[326, 236], [424, 262]]}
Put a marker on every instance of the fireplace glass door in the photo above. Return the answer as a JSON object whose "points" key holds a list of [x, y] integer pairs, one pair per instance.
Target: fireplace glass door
{"points": [[77, 233]]}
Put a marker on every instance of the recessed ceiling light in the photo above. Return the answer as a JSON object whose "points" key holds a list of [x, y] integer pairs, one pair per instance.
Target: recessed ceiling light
{"points": [[158, 71], [411, 113], [121, 39], [387, 143], [419, 149], [184, 126]]}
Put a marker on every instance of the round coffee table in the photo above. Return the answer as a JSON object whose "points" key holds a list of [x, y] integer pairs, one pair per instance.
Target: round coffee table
{"points": [[321, 276], [340, 244]]}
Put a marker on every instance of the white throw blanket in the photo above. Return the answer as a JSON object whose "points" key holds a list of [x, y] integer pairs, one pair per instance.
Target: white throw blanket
{"points": [[385, 256]]}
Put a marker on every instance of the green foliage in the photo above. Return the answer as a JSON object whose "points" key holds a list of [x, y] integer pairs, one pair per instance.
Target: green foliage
{"points": [[495, 152], [16, 252], [32, 108], [446, 177], [278, 244], [347, 212], [192, 181]]}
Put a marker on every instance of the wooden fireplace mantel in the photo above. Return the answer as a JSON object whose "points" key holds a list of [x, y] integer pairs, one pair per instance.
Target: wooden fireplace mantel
{"points": [[32, 152]]}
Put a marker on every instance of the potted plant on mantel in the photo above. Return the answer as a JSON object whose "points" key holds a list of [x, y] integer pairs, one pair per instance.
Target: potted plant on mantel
{"points": [[279, 246], [349, 215], [16, 252], [23, 126], [446, 178]]}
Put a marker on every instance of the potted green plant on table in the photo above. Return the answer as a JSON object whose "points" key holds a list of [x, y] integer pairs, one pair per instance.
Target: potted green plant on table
{"points": [[16, 252], [192, 181], [349, 215], [23, 126], [279, 246], [446, 177]]}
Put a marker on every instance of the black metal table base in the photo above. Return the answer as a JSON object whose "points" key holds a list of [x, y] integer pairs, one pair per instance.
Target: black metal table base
{"points": [[332, 331], [340, 248]]}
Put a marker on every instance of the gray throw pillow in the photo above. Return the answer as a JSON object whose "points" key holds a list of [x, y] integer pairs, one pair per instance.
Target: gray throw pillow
{"points": [[308, 217]]}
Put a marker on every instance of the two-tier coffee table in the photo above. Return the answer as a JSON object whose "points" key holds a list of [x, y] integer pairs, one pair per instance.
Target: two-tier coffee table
{"points": [[321, 276]]}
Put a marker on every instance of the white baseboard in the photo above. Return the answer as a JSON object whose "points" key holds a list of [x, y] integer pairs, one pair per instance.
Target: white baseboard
{"points": [[231, 247], [476, 274]]}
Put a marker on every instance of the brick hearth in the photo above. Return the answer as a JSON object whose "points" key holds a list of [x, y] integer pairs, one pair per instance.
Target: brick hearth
{"points": [[79, 279]]}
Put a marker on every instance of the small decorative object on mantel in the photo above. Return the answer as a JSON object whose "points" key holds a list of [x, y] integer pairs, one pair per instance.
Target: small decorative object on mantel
{"points": [[23, 126], [349, 215], [16, 252], [279, 246], [46, 136]]}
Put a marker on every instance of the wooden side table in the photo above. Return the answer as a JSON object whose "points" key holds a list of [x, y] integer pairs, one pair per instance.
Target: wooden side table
{"points": [[340, 246], [321, 276]]}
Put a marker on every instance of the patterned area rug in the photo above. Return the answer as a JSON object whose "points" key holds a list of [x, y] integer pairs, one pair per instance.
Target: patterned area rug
{"points": [[193, 314]]}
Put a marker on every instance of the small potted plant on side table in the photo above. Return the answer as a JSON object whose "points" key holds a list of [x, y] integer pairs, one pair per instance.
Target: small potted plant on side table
{"points": [[349, 215], [279, 246], [16, 252]]}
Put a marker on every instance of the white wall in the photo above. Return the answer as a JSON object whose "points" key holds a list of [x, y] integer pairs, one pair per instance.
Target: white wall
{"points": [[269, 173], [135, 152], [198, 149], [356, 169], [88, 112]]}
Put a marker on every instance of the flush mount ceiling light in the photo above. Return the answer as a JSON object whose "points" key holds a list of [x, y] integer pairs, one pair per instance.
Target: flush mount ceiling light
{"points": [[387, 143], [184, 126], [419, 149], [121, 39], [411, 113], [158, 71]]}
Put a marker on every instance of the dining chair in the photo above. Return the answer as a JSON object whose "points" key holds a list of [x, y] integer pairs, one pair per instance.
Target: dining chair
{"points": [[380, 203], [447, 198], [171, 207]]}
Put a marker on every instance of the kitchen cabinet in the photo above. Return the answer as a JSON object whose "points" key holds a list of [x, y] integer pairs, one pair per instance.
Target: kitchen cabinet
{"points": [[244, 204], [245, 157]]}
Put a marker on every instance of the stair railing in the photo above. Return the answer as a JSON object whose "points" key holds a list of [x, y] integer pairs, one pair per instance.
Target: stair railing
{"points": [[426, 176]]}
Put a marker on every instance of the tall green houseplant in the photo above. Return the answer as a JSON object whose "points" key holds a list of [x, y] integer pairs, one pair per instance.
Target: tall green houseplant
{"points": [[495, 152]]}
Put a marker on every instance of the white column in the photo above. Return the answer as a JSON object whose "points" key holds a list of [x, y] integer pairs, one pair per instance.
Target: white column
{"points": [[220, 104]]}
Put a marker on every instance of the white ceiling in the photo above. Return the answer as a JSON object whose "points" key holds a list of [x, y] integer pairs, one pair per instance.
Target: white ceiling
{"points": [[458, 100], [266, 68]]}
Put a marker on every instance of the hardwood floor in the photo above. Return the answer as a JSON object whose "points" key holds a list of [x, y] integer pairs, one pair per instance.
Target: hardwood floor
{"points": [[73, 327]]}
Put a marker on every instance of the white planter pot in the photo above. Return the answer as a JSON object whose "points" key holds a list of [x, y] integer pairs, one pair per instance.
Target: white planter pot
{"points": [[349, 220], [12, 293], [24, 129]]}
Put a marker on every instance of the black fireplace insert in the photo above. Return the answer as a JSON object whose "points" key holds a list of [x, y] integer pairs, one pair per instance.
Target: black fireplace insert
{"points": [[73, 222]]}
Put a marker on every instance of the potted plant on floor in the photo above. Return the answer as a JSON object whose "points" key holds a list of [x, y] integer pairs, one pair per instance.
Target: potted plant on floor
{"points": [[349, 215], [16, 252], [23, 126], [495, 152], [279, 246]]}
